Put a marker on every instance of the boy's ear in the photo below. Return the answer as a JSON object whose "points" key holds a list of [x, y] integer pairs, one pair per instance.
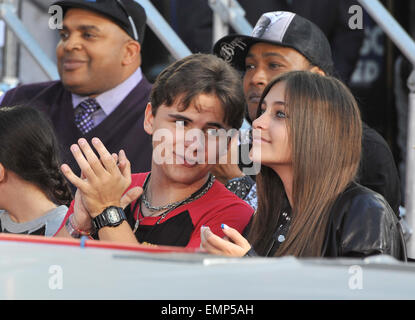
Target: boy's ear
{"points": [[148, 119]]}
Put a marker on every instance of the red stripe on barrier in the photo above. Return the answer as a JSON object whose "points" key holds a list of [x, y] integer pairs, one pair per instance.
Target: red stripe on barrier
{"points": [[94, 244]]}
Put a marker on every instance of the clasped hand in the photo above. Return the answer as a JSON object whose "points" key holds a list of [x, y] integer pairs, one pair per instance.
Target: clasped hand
{"points": [[103, 182]]}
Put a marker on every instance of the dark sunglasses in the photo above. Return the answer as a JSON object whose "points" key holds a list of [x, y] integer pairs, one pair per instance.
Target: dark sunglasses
{"points": [[129, 19]]}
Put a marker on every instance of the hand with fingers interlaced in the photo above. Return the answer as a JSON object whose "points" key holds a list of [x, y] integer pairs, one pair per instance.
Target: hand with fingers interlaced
{"points": [[103, 182]]}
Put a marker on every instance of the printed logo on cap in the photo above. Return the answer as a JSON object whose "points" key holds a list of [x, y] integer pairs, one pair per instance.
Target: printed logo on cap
{"points": [[227, 50]]}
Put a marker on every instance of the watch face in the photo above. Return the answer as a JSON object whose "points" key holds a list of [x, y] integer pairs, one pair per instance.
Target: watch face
{"points": [[113, 215]]}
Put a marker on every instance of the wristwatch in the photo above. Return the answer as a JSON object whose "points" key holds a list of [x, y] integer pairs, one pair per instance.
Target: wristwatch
{"points": [[110, 217]]}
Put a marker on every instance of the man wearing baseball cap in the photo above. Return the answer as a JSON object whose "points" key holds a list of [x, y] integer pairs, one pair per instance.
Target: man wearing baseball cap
{"points": [[102, 91], [284, 41]]}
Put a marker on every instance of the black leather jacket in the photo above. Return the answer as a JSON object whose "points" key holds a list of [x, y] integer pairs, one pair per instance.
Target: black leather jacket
{"points": [[361, 224]]}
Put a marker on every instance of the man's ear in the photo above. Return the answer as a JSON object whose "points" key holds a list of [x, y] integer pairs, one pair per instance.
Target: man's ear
{"points": [[3, 176], [148, 119], [316, 69], [132, 52]]}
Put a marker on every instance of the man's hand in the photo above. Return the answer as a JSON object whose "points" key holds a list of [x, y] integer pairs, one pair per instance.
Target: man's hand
{"points": [[104, 182], [81, 219], [228, 168]]}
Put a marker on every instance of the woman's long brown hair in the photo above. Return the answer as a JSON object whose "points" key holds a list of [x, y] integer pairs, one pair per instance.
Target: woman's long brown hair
{"points": [[325, 131]]}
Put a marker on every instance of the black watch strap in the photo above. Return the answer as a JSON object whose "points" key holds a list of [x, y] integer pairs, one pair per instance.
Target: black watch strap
{"points": [[110, 217]]}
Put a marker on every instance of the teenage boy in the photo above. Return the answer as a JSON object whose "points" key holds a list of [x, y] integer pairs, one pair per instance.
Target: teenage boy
{"points": [[195, 97]]}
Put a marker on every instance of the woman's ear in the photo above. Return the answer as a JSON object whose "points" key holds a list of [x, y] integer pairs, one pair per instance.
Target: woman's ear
{"points": [[148, 119]]}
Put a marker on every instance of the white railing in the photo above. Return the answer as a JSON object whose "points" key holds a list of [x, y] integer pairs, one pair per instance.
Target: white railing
{"points": [[163, 31], [154, 20], [407, 46], [228, 13], [8, 14]]}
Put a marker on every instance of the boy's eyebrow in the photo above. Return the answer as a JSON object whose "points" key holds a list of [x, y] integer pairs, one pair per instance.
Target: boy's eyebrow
{"points": [[181, 117], [216, 124]]}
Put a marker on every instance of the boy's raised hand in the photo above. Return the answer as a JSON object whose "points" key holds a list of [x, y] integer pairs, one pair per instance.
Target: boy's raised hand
{"points": [[105, 182]]}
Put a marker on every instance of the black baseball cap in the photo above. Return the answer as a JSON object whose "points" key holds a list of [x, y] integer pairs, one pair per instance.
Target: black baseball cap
{"points": [[281, 28], [118, 11]]}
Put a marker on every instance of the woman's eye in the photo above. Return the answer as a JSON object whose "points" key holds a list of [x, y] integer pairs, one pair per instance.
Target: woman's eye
{"points": [[180, 123], [280, 114]]}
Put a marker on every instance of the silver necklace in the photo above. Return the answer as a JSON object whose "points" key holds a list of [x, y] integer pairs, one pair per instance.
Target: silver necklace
{"points": [[199, 193]]}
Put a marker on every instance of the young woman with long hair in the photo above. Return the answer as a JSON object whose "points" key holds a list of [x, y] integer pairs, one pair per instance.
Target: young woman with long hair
{"points": [[308, 134], [33, 192]]}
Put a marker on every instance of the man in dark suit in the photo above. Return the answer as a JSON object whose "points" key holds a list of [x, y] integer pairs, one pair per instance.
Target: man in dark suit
{"points": [[102, 91]]}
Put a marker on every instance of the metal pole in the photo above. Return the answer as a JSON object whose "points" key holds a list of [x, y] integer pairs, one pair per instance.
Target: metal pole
{"points": [[410, 165], [225, 13], [392, 28], [232, 14], [407, 46], [163, 31], [10, 59], [13, 22], [220, 27]]}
